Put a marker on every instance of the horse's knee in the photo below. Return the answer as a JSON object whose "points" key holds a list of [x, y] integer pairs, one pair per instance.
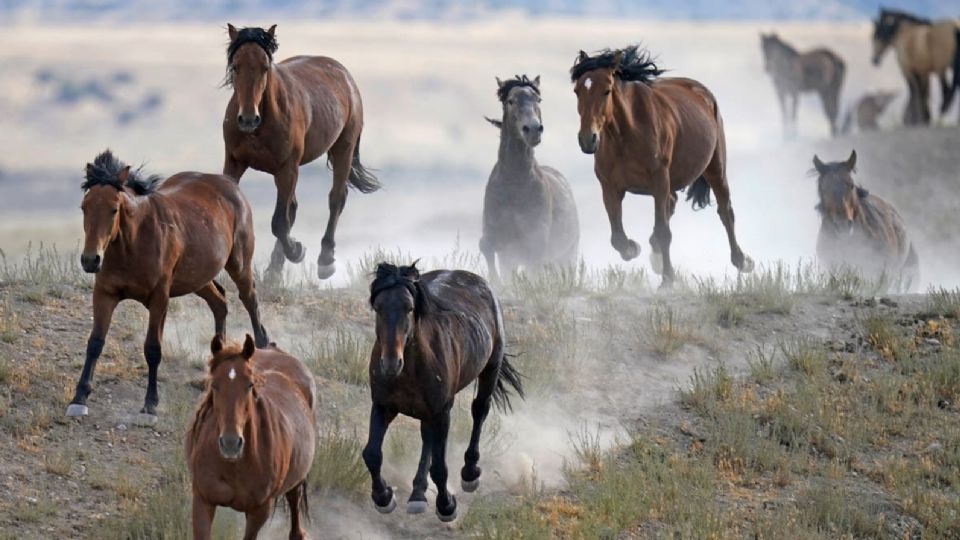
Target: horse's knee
{"points": [[152, 353]]}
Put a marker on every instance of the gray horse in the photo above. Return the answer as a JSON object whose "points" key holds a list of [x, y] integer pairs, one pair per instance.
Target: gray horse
{"points": [[529, 216]]}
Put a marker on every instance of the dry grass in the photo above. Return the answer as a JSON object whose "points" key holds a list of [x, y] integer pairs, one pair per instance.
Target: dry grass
{"points": [[664, 330]]}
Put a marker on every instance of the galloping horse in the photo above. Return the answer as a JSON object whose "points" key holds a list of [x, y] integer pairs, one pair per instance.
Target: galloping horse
{"points": [[529, 215], [861, 230], [923, 48], [818, 70], [436, 334], [252, 437], [285, 115], [150, 241], [652, 136]]}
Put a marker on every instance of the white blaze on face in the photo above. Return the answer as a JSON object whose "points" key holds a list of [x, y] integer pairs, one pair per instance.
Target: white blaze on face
{"points": [[588, 83], [233, 374]]}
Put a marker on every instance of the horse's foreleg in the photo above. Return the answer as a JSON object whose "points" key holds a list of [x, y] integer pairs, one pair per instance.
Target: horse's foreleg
{"points": [[294, 497], [341, 158], [923, 95], [490, 256], [382, 495], [656, 259], [486, 384], [795, 102], [203, 514], [613, 202], [213, 294], [417, 503], [284, 215], [256, 519], [152, 351], [446, 502], [946, 93], [103, 306]]}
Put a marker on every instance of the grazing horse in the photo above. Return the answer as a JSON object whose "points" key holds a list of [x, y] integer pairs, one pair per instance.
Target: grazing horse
{"points": [[923, 47], [150, 241], [861, 230], [252, 437], [285, 115], [652, 136], [818, 70], [529, 215], [436, 334], [867, 111]]}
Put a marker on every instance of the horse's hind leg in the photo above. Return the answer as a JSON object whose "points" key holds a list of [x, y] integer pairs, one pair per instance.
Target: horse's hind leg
{"points": [[256, 519], [241, 272], [214, 294], [294, 497], [716, 176], [341, 158], [284, 216], [830, 98], [417, 503], [382, 495], [152, 351], [486, 384], [103, 306], [656, 258], [446, 502]]}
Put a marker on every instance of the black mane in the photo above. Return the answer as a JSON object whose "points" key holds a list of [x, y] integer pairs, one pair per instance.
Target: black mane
{"points": [[519, 80], [105, 171], [256, 35], [783, 45], [903, 16], [635, 64]]}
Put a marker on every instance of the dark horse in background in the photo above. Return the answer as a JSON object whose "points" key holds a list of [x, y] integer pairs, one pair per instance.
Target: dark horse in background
{"points": [[923, 48], [436, 333], [285, 115], [862, 231], [529, 215], [819, 70], [652, 136], [150, 241]]}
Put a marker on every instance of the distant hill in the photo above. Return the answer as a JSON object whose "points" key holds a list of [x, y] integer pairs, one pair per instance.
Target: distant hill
{"points": [[846, 10]]}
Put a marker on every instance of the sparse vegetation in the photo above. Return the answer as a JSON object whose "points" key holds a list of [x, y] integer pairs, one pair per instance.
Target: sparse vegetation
{"points": [[337, 465], [664, 330]]}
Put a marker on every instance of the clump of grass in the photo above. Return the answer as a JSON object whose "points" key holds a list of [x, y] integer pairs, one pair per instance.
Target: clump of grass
{"points": [[44, 268], [342, 357], [616, 279], [805, 355], [881, 333], [707, 389], [834, 508], [163, 513], [664, 330], [587, 449], [337, 464], [944, 302], [362, 270], [545, 286], [58, 463], [761, 365]]}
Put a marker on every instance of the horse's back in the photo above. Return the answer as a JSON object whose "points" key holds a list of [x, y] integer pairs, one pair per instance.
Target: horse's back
{"points": [[565, 226]]}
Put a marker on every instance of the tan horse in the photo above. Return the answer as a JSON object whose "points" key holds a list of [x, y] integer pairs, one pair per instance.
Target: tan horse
{"points": [[252, 438], [285, 115], [860, 230], [818, 70], [652, 136], [923, 48]]}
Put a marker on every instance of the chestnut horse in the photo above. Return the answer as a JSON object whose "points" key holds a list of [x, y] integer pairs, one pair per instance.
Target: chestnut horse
{"points": [[861, 230], [253, 437], [285, 115], [436, 334], [150, 241], [652, 136]]}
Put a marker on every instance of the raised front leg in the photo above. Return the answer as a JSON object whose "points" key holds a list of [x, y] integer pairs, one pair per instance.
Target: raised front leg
{"points": [[152, 352], [417, 503], [284, 216], [341, 158], [613, 202], [203, 514], [382, 495], [103, 306], [446, 502], [256, 519]]}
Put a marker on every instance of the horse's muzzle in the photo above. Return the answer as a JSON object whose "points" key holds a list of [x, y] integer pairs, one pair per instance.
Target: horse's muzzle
{"points": [[248, 124], [391, 367], [588, 142], [91, 262], [231, 446]]}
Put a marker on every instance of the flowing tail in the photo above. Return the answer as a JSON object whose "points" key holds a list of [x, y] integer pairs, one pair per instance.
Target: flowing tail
{"points": [[509, 376], [699, 193], [948, 98], [360, 177]]}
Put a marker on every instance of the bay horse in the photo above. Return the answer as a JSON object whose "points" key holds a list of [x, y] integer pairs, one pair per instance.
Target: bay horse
{"points": [[284, 115], [818, 70], [867, 111], [150, 241], [923, 48], [252, 437], [529, 214], [435, 334], [652, 136], [860, 230]]}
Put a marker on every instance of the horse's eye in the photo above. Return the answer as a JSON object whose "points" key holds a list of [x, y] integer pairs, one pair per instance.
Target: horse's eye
{"points": [[115, 210], [250, 386], [607, 93], [509, 102]]}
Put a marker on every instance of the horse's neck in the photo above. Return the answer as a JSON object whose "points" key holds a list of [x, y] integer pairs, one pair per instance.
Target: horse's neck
{"points": [[274, 96], [514, 155], [136, 210], [634, 105]]}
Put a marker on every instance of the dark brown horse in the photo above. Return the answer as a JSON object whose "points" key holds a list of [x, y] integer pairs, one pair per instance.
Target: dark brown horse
{"points": [[252, 437], [149, 242], [652, 136], [436, 334], [862, 231], [819, 70], [529, 214], [285, 115]]}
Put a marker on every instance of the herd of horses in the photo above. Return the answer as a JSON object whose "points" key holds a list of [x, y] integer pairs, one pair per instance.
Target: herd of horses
{"points": [[253, 434]]}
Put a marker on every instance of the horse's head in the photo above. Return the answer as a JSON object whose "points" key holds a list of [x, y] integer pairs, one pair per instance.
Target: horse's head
{"points": [[249, 59], [768, 44], [520, 97], [233, 387], [840, 197], [884, 30], [393, 296], [594, 89]]}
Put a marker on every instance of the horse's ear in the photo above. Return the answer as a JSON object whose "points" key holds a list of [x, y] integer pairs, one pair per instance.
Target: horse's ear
{"points": [[852, 161], [124, 175], [819, 165], [249, 347], [232, 32], [272, 30], [536, 82], [862, 193], [617, 58], [216, 344], [496, 123], [582, 55], [411, 272], [499, 82]]}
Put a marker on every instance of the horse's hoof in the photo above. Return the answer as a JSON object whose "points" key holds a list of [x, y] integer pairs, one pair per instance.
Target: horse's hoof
{"points": [[390, 507], [324, 271], [747, 265], [631, 251], [450, 517], [295, 252], [416, 507], [145, 419], [75, 410], [471, 486], [656, 262], [666, 285]]}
